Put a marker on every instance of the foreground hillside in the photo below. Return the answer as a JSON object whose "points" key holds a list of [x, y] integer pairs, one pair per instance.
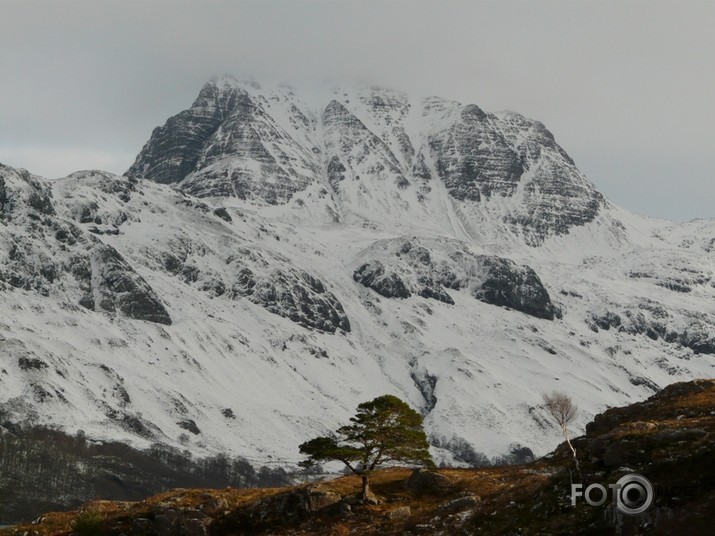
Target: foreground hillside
{"points": [[669, 438]]}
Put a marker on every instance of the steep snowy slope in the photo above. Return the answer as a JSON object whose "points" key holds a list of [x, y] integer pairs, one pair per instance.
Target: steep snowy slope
{"points": [[267, 264]]}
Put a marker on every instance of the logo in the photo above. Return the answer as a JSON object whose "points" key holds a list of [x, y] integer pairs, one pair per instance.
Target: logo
{"points": [[633, 494]]}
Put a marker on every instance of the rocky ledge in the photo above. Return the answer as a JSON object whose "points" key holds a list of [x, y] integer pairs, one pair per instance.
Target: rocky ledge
{"points": [[400, 268]]}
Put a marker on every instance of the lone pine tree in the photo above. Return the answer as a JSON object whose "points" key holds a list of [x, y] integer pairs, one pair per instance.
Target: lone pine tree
{"points": [[383, 430]]}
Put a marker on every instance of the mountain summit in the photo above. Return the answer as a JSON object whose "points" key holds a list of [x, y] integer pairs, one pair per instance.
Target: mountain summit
{"points": [[370, 153]]}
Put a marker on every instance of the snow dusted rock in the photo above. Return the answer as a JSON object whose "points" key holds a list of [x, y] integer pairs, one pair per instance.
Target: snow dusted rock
{"points": [[234, 269], [283, 290], [372, 274], [174, 149], [518, 287], [473, 159], [370, 153], [234, 143], [401, 267], [49, 255], [115, 286], [362, 169], [557, 196]]}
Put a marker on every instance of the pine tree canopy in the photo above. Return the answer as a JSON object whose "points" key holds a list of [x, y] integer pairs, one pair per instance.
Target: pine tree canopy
{"points": [[383, 430]]}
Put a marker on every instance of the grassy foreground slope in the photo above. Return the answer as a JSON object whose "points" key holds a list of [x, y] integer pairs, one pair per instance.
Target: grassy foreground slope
{"points": [[669, 438]]}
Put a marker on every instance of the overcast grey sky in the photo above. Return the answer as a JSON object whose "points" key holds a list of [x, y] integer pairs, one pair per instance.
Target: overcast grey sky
{"points": [[627, 87]]}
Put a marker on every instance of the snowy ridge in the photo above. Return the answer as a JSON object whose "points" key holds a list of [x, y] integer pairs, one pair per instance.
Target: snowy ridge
{"points": [[495, 271]]}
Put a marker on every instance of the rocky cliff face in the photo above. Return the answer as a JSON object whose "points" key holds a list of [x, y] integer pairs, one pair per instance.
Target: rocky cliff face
{"points": [[232, 143], [263, 145], [473, 158]]}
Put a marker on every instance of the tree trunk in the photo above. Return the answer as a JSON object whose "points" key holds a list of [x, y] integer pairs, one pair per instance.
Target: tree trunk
{"points": [[573, 451], [365, 487]]}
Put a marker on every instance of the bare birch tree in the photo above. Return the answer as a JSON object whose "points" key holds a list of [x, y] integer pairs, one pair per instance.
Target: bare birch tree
{"points": [[563, 410]]}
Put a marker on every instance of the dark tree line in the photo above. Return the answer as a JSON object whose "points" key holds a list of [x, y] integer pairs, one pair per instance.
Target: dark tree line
{"points": [[43, 469]]}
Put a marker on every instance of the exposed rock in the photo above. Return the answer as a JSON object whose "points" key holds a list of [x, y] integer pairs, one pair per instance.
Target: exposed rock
{"points": [[228, 144], [429, 482], [103, 280], [372, 275], [336, 172], [427, 384], [519, 287], [222, 213], [432, 289], [234, 141], [463, 503], [29, 363], [189, 425], [117, 287], [288, 507], [558, 197], [286, 291], [606, 320], [401, 512], [228, 413], [400, 267], [345, 508], [317, 499], [652, 320], [174, 149], [473, 159], [173, 521]]}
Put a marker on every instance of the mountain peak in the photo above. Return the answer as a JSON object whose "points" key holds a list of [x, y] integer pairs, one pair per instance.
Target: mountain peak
{"points": [[243, 140]]}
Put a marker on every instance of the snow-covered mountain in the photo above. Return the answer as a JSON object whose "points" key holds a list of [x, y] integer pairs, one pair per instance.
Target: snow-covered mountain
{"points": [[270, 261]]}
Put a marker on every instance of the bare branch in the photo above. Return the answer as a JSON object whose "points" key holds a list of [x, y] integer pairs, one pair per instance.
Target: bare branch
{"points": [[561, 408]]}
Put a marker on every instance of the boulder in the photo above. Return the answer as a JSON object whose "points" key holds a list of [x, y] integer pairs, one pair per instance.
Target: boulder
{"points": [[424, 481], [463, 503], [402, 512]]}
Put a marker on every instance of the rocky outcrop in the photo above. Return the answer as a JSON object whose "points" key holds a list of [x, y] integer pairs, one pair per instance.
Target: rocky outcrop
{"points": [[372, 275], [656, 322], [285, 291], [425, 481], [115, 286], [509, 285], [263, 278], [229, 144], [473, 159], [557, 197], [174, 149], [48, 254], [363, 169], [282, 509], [399, 268]]}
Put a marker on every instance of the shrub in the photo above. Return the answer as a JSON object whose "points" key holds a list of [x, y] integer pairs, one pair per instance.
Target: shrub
{"points": [[88, 523]]}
